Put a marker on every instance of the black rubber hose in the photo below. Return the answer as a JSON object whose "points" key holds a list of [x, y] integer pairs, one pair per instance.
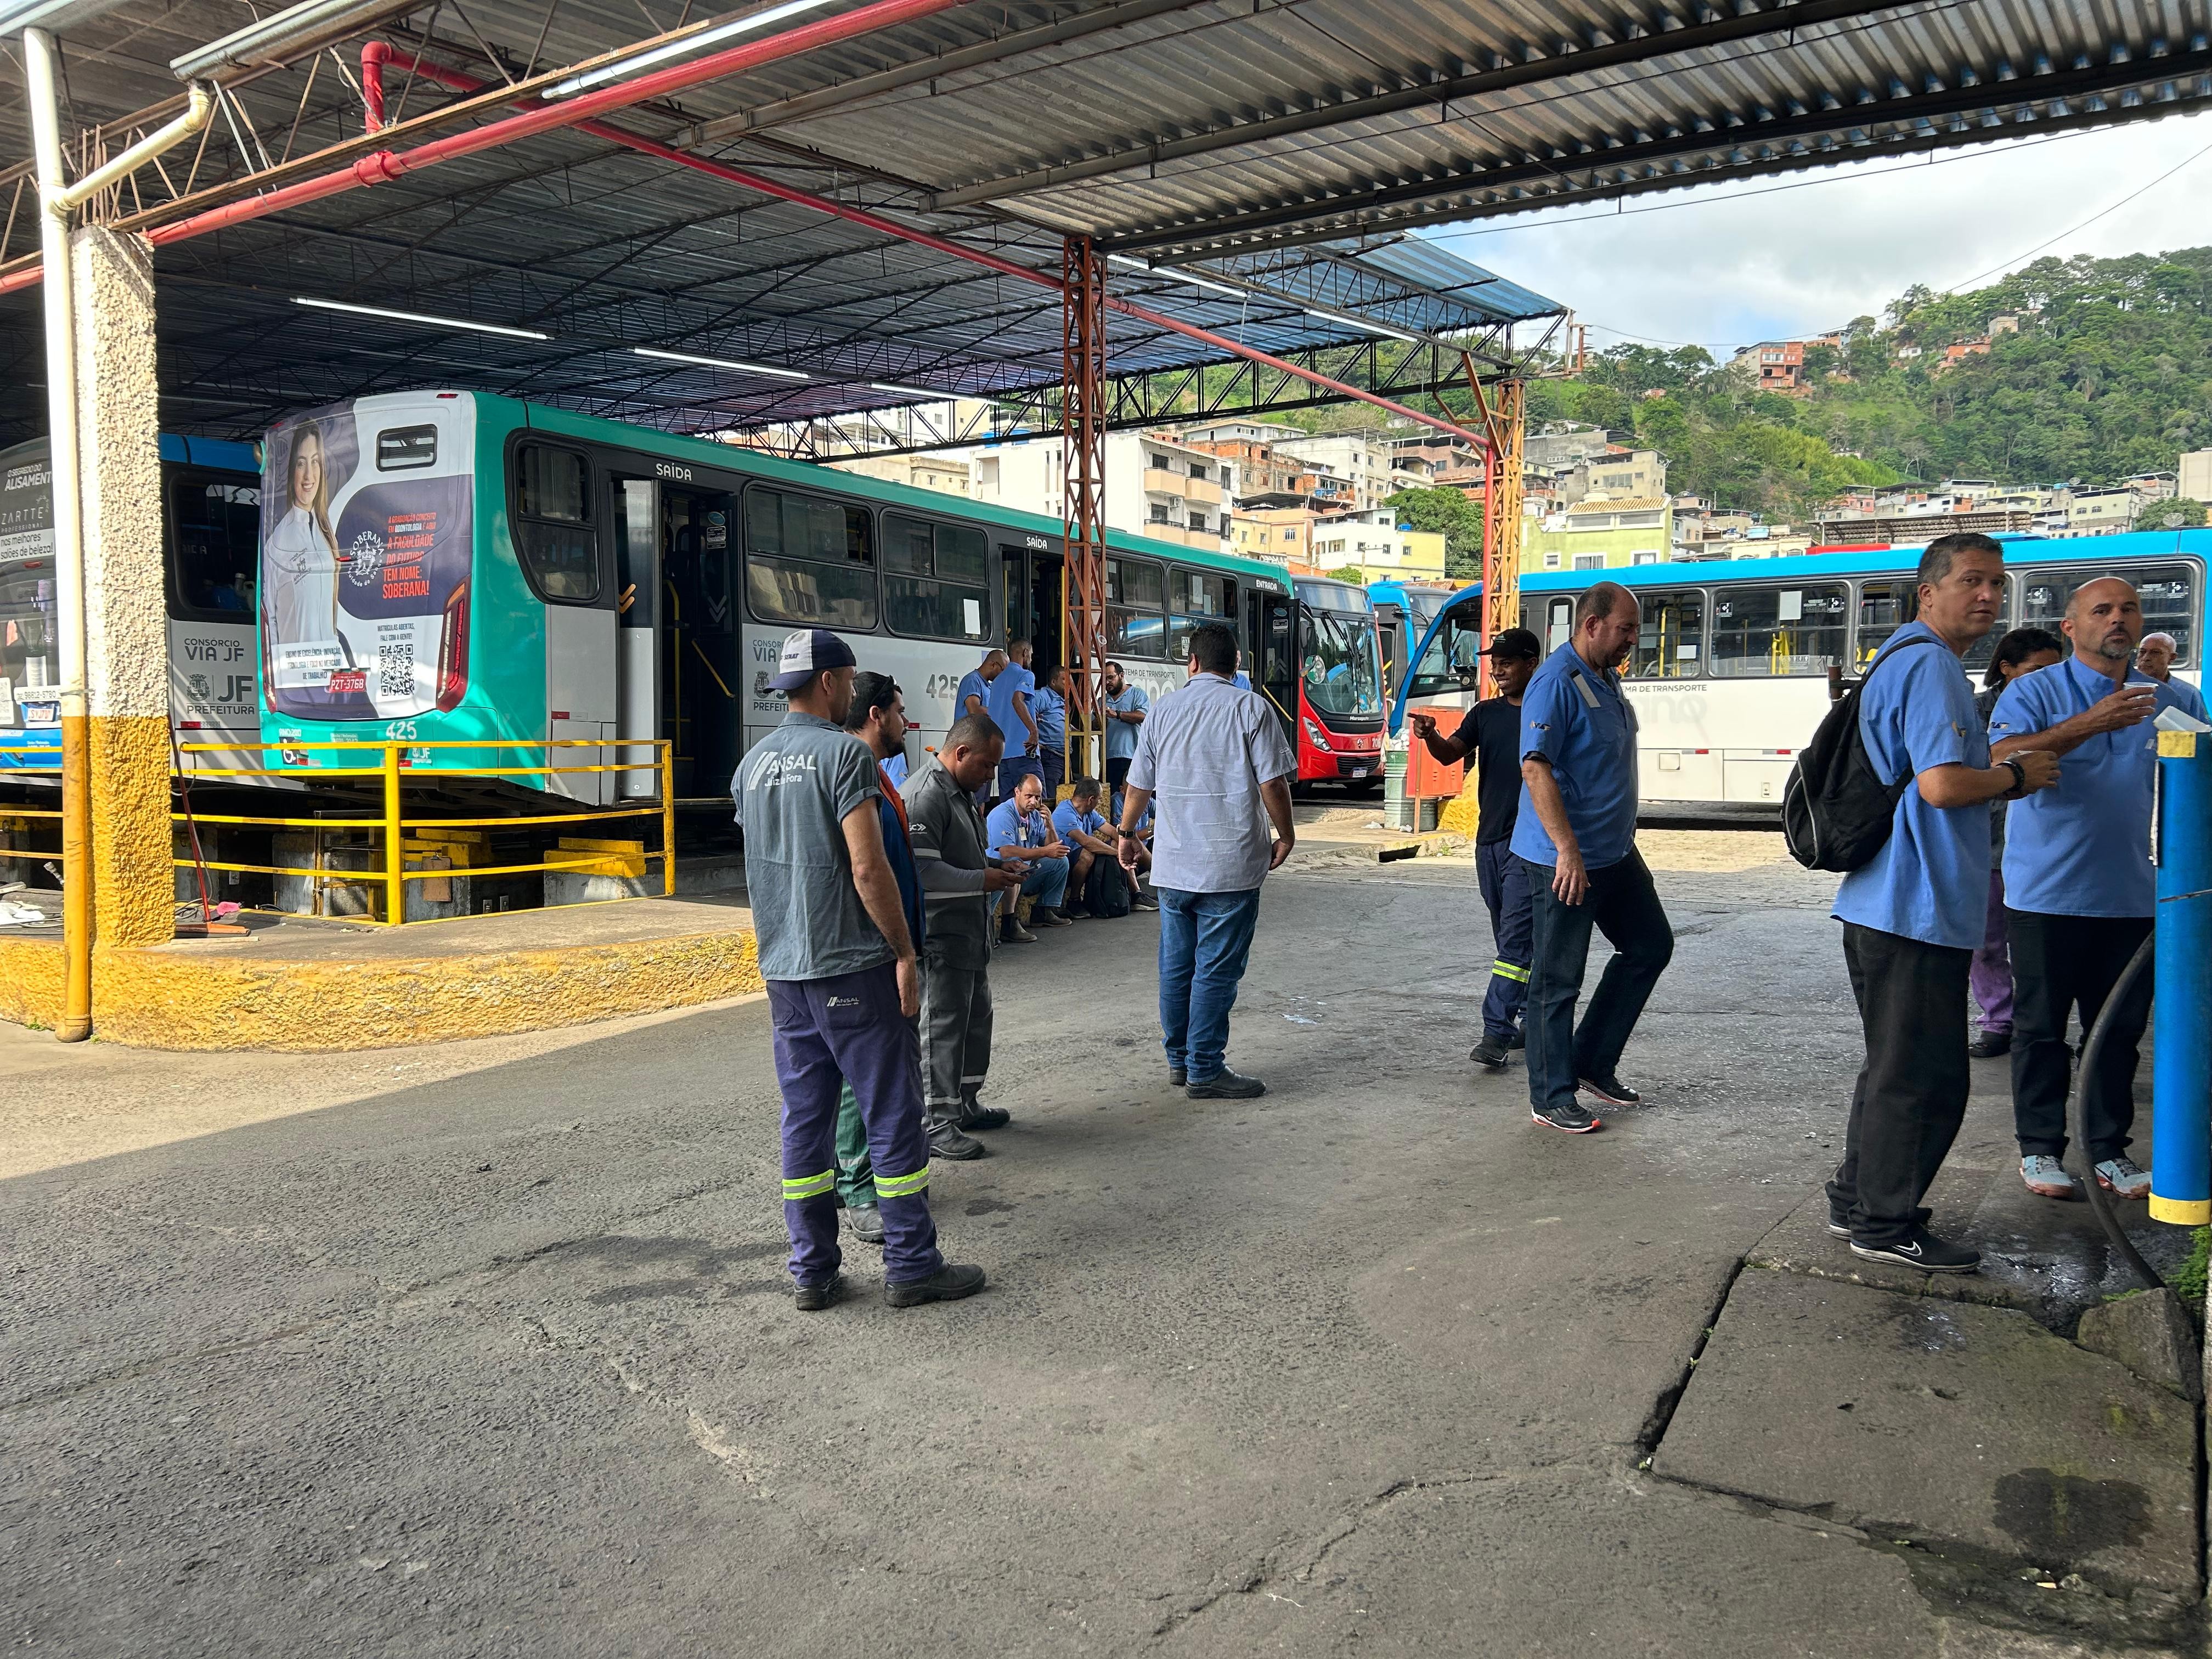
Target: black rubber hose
{"points": [[2092, 1047]]}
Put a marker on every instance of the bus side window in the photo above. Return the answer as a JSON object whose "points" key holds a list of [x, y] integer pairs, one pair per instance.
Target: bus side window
{"points": [[1135, 597], [1884, 607], [1797, 630], [214, 532], [2168, 592], [554, 538], [1199, 598], [1670, 643], [808, 560]]}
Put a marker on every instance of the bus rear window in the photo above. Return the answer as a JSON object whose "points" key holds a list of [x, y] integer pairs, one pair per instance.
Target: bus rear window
{"points": [[214, 548]]}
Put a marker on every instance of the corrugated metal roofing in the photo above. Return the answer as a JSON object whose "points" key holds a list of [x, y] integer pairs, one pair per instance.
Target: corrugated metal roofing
{"points": [[1283, 149]]}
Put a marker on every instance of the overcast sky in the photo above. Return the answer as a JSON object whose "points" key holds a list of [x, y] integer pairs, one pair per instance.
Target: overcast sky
{"points": [[1729, 265]]}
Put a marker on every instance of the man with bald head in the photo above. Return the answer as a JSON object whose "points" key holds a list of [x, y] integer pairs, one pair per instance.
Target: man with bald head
{"points": [[2078, 887], [2156, 656]]}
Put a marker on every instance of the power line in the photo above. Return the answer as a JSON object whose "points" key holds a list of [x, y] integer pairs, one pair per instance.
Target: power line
{"points": [[2087, 222]]}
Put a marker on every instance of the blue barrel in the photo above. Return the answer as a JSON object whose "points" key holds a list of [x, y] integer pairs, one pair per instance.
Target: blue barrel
{"points": [[2181, 1074]]}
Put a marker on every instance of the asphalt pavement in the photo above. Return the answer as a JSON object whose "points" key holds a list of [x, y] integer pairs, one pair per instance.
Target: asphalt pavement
{"points": [[504, 1361]]}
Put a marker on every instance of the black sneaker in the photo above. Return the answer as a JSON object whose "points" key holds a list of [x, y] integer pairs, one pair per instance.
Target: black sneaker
{"points": [[1011, 931], [1225, 1084], [1518, 1040], [945, 1141], [1143, 901], [1988, 1045], [1177, 1077], [947, 1283], [813, 1298], [1611, 1090], [1076, 912], [1045, 916], [1571, 1118], [865, 1223], [1489, 1052], [1923, 1249]]}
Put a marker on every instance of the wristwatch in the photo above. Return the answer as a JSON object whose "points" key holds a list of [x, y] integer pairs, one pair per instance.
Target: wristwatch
{"points": [[2019, 780]]}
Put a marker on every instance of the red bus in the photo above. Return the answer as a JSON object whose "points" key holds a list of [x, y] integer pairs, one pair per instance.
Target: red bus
{"points": [[1339, 728]]}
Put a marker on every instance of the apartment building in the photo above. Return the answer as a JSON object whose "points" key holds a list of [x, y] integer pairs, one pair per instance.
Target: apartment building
{"points": [[1156, 486], [1597, 535], [946, 474], [2100, 511], [1259, 471], [1361, 460], [1374, 541], [1616, 471], [2193, 476], [1282, 534], [1780, 364]]}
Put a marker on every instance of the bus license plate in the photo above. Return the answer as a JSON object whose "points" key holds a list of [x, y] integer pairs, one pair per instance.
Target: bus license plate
{"points": [[1357, 772]]}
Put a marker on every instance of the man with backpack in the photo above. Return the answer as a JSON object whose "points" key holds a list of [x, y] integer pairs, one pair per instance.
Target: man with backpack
{"points": [[1912, 906]]}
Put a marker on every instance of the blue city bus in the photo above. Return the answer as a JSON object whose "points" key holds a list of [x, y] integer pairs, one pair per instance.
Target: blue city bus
{"points": [[1731, 670]]}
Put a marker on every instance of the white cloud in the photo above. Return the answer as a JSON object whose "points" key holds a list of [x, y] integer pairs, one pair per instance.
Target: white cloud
{"points": [[1730, 264]]}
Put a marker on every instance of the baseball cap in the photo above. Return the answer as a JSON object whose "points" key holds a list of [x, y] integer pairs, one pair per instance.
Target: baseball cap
{"points": [[809, 652], [1514, 642]]}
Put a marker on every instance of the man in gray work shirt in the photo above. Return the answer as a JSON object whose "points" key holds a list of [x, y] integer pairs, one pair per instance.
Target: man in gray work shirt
{"points": [[958, 880], [843, 980], [1218, 760]]}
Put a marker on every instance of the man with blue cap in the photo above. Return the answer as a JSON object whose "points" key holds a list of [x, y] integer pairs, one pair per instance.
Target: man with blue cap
{"points": [[843, 979]]}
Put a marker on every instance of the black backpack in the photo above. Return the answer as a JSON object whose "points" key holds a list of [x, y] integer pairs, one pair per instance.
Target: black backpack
{"points": [[1107, 893], [1838, 810]]}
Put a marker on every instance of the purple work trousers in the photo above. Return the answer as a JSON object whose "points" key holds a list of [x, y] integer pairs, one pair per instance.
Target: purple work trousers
{"points": [[1990, 977], [830, 1032]]}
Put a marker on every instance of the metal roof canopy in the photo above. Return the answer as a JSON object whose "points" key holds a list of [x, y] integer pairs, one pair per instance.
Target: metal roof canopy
{"points": [[1276, 151]]}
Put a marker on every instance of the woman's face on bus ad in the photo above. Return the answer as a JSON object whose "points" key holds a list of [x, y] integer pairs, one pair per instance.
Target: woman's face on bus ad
{"points": [[306, 469]]}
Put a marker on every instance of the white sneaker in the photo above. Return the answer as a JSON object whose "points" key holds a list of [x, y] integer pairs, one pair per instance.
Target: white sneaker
{"points": [[2122, 1176], [2046, 1176]]}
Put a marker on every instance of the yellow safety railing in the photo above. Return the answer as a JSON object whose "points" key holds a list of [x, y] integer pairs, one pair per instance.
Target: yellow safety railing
{"points": [[392, 767]]}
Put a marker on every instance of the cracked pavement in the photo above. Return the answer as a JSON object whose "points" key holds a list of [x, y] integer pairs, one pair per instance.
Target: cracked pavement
{"points": [[503, 1361]]}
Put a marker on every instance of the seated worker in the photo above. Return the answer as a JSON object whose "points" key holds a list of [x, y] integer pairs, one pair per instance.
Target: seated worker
{"points": [[1139, 899], [1083, 828], [1018, 836]]}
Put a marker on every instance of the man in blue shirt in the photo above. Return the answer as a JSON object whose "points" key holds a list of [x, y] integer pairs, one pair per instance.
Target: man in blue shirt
{"points": [[1019, 837], [1008, 704], [1124, 708], [1913, 914], [973, 697], [2080, 892], [1575, 835], [1050, 707], [2155, 657], [1080, 827]]}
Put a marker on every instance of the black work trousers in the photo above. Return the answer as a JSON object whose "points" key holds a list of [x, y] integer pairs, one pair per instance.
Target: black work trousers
{"points": [[1622, 904], [2060, 963], [1912, 1092]]}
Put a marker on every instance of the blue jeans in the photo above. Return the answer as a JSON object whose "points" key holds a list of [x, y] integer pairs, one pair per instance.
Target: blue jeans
{"points": [[1011, 770], [1205, 938], [1045, 883]]}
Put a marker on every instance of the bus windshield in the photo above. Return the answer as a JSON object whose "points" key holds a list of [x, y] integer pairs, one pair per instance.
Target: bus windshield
{"points": [[1342, 674]]}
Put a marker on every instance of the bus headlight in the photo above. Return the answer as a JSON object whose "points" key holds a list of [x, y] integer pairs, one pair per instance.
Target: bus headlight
{"points": [[1316, 737]]}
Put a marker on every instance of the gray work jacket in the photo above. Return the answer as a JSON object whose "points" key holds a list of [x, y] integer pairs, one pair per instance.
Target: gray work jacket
{"points": [[949, 858]]}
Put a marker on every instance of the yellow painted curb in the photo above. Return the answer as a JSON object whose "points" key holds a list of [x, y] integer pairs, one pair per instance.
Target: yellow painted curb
{"points": [[161, 999]]}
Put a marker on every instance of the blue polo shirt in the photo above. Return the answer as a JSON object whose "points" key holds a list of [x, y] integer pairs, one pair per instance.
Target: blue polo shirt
{"points": [[972, 684], [1120, 736], [1931, 879], [1049, 710], [1575, 717], [2081, 847], [1004, 826], [1066, 821], [1014, 681], [2188, 698]]}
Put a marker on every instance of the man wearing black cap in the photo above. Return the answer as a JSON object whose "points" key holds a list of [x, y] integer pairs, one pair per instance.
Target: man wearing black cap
{"points": [[843, 980], [1491, 734]]}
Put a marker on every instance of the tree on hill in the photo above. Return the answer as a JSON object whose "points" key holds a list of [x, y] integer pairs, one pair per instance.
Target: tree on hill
{"points": [[2177, 513], [1455, 514]]}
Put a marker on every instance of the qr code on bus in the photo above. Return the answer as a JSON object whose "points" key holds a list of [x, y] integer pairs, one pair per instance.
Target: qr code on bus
{"points": [[395, 668]]}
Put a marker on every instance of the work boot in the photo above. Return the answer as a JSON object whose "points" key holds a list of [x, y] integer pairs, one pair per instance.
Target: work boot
{"points": [[865, 1223], [1988, 1045], [945, 1141], [813, 1298], [1490, 1052], [1225, 1084], [1010, 931], [948, 1284], [975, 1114], [1045, 916]]}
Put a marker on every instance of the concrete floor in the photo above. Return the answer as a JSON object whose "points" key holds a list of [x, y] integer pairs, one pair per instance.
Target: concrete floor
{"points": [[487, 1349]]}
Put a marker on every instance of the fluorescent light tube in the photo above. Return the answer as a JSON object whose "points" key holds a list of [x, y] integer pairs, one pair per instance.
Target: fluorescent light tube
{"points": [[424, 318], [908, 390], [692, 43], [719, 363]]}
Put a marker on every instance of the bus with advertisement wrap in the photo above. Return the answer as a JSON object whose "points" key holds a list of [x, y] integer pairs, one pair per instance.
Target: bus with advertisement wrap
{"points": [[445, 567], [210, 496]]}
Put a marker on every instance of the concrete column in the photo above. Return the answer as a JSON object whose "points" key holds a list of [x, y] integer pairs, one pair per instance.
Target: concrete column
{"points": [[126, 621]]}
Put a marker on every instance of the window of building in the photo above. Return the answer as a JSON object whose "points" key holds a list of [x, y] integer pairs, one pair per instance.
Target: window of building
{"points": [[1198, 521], [1198, 470], [554, 539], [809, 561], [986, 474], [1135, 602], [2168, 594], [1644, 556], [1159, 512], [936, 579], [1590, 561], [1551, 559], [1670, 643], [214, 541], [1797, 630]]}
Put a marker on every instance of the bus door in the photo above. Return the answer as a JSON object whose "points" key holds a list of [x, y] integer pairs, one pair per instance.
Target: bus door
{"points": [[640, 604], [1398, 641], [1034, 604], [699, 641], [1273, 664]]}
